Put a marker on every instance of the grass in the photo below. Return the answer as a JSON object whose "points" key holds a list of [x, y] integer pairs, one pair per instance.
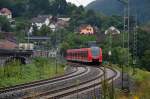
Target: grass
{"points": [[142, 84], [40, 69]]}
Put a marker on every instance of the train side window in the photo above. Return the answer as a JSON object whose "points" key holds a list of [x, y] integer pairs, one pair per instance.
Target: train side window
{"points": [[86, 54], [79, 54], [74, 54], [82, 54]]}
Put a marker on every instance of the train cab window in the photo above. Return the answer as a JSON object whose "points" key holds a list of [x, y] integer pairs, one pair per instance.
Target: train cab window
{"points": [[95, 51]]}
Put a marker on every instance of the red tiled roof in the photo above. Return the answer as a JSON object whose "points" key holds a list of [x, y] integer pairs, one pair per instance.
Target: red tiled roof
{"points": [[86, 29], [5, 11], [8, 36], [5, 44]]}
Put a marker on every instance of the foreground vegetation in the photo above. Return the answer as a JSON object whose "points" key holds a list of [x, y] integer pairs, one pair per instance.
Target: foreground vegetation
{"points": [[14, 73], [141, 88]]}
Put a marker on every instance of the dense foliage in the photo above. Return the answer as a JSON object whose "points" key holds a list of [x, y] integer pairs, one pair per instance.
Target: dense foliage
{"points": [[4, 24]]}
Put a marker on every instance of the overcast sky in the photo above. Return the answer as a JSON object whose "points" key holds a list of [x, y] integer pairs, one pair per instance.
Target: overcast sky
{"points": [[80, 2]]}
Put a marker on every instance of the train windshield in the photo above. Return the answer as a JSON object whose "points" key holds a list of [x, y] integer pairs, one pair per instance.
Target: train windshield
{"points": [[95, 51]]}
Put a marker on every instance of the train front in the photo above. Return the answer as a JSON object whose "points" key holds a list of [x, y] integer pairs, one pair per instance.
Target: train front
{"points": [[96, 54]]}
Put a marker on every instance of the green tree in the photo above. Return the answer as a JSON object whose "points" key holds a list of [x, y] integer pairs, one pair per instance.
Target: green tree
{"points": [[59, 7], [146, 60], [115, 21], [93, 19], [6, 4], [119, 56], [143, 42], [5, 24], [44, 31], [19, 8], [38, 7], [63, 47], [35, 30]]}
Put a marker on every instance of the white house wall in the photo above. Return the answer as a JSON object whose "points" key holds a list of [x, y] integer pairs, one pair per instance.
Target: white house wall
{"points": [[47, 21]]}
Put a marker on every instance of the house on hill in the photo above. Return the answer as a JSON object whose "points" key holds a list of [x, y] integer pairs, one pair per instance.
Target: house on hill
{"points": [[6, 12], [86, 29], [62, 23], [41, 20], [53, 23]]}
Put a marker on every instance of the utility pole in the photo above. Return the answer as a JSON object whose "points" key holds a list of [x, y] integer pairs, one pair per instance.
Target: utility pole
{"points": [[105, 86], [28, 38], [110, 32], [135, 44], [56, 61], [126, 43]]}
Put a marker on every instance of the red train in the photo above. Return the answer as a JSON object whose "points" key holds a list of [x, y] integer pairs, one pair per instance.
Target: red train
{"points": [[87, 55]]}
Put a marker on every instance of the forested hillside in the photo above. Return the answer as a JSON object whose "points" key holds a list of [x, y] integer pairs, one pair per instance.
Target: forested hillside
{"points": [[31, 8], [115, 7]]}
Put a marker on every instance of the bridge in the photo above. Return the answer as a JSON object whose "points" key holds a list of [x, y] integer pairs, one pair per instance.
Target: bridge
{"points": [[7, 55]]}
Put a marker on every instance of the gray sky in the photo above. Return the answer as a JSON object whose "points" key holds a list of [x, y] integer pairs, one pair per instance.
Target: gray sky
{"points": [[80, 2]]}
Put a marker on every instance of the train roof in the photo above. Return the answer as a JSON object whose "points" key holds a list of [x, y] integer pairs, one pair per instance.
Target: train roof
{"points": [[81, 49], [77, 49]]}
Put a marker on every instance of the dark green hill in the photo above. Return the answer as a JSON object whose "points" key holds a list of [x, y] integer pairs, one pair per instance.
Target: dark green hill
{"points": [[115, 7]]}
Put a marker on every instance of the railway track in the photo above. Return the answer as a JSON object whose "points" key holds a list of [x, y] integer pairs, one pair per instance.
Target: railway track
{"points": [[86, 78], [74, 89], [20, 86], [23, 89], [91, 91], [79, 80]]}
